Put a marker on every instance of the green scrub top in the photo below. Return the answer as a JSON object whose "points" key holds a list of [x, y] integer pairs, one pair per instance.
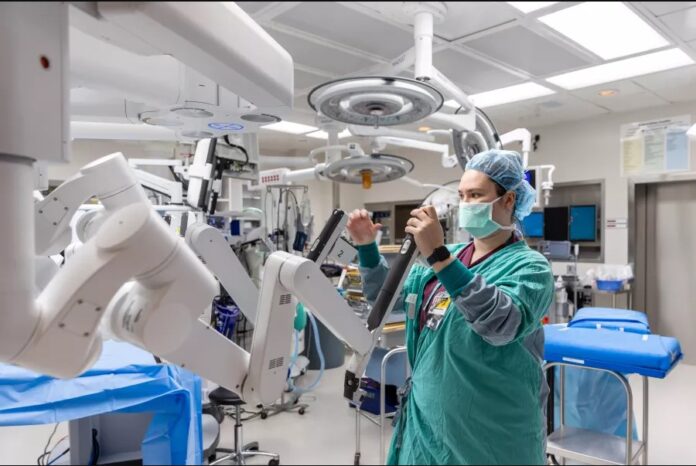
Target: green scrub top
{"points": [[477, 392]]}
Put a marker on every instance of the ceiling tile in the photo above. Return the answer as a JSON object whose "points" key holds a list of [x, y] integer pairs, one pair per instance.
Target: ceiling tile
{"points": [[346, 26], [675, 85], [303, 80], [465, 18], [322, 58], [524, 49], [472, 75], [682, 23], [663, 8], [545, 111], [629, 96], [252, 7]]}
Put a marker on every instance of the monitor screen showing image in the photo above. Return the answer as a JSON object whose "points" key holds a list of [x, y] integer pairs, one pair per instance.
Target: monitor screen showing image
{"points": [[583, 223], [533, 225]]}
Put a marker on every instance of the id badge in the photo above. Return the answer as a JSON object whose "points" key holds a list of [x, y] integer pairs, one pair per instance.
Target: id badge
{"points": [[437, 314], [411, 305]]}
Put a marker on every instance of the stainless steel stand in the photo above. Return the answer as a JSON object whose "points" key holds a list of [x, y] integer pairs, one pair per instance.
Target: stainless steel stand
{"points": [[592, 447]]}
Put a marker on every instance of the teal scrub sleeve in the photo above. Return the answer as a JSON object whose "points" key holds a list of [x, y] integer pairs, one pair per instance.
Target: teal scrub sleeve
{"points": [[373, 272], [503, 313]]}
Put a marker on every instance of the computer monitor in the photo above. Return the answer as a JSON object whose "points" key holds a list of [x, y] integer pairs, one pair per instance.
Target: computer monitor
{"points": [[583, 223], [556, 224], [530, 176], [533, 225]]}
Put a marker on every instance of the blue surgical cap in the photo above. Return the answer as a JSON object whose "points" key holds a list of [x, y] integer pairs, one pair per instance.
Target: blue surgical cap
{"points": [[505, 168]]}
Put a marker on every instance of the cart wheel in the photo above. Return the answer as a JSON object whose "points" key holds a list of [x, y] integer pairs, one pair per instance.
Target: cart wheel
{"points": [[274, 462], [301, 411], [264, 414]]}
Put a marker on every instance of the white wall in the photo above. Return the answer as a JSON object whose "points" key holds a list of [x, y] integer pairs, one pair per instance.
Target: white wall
{"points": [[590, 150], [582, 150]]}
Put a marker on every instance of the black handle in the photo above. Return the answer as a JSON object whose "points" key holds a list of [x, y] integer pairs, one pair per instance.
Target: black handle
{"points": [[397, 273], [322, 240]]}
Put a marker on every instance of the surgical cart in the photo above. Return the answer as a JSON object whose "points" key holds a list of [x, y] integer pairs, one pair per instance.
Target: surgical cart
{"points": [[615, 342]]}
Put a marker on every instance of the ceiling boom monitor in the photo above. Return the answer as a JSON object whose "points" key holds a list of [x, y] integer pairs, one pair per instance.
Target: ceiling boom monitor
{"points": [[583, 223], [556, 224], [533, 225]]}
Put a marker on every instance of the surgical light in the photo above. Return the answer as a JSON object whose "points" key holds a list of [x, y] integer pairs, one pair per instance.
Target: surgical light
{"points": [[622, 69], [290, 127], [608, 29], [375, 101], [368, 169]]}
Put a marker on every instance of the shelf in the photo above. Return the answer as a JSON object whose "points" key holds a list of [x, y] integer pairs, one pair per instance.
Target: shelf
{"points": [[590, 447]]}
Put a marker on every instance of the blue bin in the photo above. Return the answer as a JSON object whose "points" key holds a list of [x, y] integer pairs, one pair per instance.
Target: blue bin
{"points": [[610, 285], [225, 316]]}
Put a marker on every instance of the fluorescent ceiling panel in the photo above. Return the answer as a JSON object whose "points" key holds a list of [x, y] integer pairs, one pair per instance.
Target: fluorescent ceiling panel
{"points": [[608, 29], [622, 69], [290, 127], [324, 135], [506, 95], [528, 7]]}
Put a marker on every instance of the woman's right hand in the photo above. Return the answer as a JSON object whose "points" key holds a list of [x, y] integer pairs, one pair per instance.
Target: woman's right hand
{"points": [[361, 228]]}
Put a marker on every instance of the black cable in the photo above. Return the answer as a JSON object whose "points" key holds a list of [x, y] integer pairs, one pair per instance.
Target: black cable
{"points": [[94, 455], [239, 148], [59, 456], [40, 459]]}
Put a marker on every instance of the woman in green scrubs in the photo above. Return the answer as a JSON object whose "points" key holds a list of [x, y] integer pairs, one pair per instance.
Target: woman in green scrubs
{"points": [[475, 343]]}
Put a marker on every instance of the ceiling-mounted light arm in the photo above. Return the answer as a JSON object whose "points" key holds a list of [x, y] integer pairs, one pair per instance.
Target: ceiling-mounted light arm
{"points": [[370, 131], [331, 151], [447, 160], [424, 18], [523, 136]]}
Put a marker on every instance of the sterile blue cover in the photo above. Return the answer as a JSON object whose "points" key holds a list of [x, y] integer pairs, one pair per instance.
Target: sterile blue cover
{"points": [[612, 319], [625, 352], [125, 379]]}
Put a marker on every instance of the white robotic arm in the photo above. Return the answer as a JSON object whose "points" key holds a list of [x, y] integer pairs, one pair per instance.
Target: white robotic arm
{"points": [[108, 178]]}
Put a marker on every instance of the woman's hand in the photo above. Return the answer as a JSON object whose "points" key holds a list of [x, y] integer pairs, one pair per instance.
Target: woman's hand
{"points": [[426, 229], [361, 228]]}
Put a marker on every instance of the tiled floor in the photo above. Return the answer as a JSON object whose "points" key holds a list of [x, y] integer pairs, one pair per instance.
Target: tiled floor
{"points": [[326, 433]]}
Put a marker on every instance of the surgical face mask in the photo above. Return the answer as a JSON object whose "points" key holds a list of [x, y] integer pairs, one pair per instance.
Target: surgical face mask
{"points": [[477, 219]]}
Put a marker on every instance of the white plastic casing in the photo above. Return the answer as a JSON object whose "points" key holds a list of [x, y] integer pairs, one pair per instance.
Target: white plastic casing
{"points": [[34, 98]]}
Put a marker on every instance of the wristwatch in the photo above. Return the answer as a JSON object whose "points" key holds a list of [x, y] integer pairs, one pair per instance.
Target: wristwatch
{"points": [[438, 255]]}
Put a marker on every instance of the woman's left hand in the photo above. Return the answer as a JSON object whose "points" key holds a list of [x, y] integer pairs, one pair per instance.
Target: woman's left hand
{"points": [[426, 229]]}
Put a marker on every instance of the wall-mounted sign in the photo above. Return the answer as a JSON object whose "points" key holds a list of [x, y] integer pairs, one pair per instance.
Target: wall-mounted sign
{"points": [[656, 146], [617, 223]]}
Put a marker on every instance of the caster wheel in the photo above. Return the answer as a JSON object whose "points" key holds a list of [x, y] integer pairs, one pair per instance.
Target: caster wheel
{"points": [[273, 462], [301, 411], [264, 415], [259, 406]]}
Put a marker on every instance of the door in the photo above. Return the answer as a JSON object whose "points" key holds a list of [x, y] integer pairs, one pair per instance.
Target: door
{"points": [[666, 260]]}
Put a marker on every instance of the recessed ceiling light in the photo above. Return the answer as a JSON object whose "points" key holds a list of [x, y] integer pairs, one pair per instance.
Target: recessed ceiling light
{"points": [[506, 95], [290, 127], [622, 69], [608, 29], [324, 135], [608, 92], [528, 7], [424, 129]]}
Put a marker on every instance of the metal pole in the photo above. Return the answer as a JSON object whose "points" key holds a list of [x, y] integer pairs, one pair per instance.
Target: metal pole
{"points": [[357, 436], [562, 402], [382, 398], [646, 412]]}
